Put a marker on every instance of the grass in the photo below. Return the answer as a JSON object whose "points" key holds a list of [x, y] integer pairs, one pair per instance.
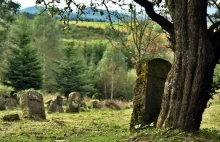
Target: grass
{"points": [[101, 25], [103, 126], [211, 116], [96, 125], [87, 31]]}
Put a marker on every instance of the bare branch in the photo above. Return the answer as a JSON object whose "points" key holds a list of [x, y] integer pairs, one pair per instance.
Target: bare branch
{"points": [[216, 4], [164, 23], [212, 28], [209, 17], [216, 45]]}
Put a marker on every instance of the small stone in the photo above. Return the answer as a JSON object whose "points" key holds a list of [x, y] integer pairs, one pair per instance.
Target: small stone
{"points": [[11, 117]]}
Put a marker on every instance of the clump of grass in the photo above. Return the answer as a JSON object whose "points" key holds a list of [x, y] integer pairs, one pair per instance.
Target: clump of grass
{"points": [[175, 135], [211, 116]]}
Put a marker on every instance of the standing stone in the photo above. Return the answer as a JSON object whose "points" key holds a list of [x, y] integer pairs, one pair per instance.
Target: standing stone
{"points": [[74, 102], [11, 103], [56, 105], [148, 91], [32, 105], [2, 103]]}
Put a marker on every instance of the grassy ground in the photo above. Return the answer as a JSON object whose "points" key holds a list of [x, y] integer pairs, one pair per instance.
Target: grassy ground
{"points": [[87, 31], [103, 126]]}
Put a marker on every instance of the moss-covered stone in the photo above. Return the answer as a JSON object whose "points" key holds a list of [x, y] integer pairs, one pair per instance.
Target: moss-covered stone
{"points": [[74, 102], [32, 105], [148, 91], [56, 105]]}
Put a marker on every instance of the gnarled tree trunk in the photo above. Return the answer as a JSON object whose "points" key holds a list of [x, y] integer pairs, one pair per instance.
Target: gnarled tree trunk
{"points": [[197, 50], [189, 82]]}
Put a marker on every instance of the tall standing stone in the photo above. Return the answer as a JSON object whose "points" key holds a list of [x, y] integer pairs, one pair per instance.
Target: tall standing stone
{"points": [[74, 102], [32, 105], [56, 105], [148, 91]]}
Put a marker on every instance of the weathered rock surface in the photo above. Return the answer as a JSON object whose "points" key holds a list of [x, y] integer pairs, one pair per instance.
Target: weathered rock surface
{"points": [[11, 117], [74, 102], [32, 105], [98, 105], [148, 91], [112, 105], [56, 105]]}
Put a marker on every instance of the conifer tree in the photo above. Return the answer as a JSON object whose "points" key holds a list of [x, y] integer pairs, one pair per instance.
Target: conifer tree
{"points": [[23, 67], [70, 73]]}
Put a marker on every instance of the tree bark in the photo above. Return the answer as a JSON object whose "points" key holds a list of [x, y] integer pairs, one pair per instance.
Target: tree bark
{"points": [[105, 87], [112, 84], [189, 82]]}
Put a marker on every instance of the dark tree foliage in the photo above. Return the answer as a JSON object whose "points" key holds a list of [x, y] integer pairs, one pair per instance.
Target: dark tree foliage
{"points": [[70, 72], [94, 52], [23, 69]]}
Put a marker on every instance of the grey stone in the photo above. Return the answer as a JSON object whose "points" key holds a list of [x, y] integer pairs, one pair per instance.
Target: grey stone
{"points": [[11, 117], [32, 105], [112, 105], [73, 103], [148, 91], [56, 105], [98, 105]]}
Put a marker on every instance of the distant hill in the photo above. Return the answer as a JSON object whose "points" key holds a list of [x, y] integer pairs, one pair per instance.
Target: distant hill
{"points": [[89, 16], [32, 9]]}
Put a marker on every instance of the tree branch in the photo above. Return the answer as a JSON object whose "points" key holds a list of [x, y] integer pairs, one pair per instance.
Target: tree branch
{"points": [[210, 19], [163, 22], [216, 45], [213, 27], [216, 4]]}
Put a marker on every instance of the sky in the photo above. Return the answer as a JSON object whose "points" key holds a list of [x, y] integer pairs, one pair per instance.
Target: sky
{"points": [[29, 3], [26, 3]]}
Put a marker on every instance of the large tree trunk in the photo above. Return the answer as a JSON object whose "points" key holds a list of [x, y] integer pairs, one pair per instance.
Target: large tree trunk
{"points": [[189, 82]]}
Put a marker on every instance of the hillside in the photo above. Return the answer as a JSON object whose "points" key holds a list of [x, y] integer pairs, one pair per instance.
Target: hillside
{"points": [[89, 15]]}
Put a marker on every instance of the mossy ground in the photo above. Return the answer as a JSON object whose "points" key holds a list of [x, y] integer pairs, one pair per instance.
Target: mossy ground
{"points": [[103, 126], [96, 125]]}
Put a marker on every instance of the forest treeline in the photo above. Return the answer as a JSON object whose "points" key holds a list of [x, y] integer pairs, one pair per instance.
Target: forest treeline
{"points": [[37, 56]]}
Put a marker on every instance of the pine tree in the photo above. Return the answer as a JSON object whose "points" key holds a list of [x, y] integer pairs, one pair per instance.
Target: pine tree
{"points": [[23, 69], [70, 73]]}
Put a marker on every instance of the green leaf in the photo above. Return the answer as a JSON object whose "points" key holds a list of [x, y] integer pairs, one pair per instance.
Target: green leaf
{"points": [[101, 12], [130, 6], [65, 8]]}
